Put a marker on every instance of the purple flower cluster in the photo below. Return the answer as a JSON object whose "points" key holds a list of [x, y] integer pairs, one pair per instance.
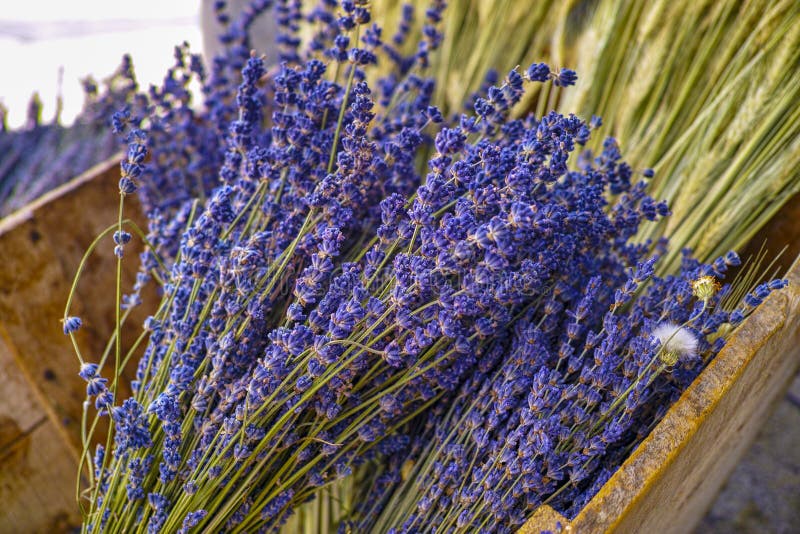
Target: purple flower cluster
{"points": [[584, 378], [346, 273]]}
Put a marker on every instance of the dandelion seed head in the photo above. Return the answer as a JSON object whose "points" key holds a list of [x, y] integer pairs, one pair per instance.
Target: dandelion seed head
{"points": [[677, 342]]}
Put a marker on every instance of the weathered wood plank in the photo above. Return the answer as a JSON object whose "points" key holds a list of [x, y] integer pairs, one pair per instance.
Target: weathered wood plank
{"points": [[40, 249], [20, 411], [41, 394], [29, 312], [37, 472], [37, 483]]}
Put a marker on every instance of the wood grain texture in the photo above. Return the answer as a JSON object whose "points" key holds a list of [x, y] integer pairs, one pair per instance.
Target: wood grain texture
{"points": [[40, 249], [37, 483], [37, 472], [20, 411], [41, 394], [670, 480]]}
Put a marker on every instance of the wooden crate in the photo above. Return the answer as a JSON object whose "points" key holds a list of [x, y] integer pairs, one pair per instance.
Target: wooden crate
{"points": [[41, 394], [665, 486]]}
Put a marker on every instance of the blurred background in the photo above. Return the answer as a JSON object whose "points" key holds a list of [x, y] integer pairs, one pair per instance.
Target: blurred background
{"points": [[48, 46]]}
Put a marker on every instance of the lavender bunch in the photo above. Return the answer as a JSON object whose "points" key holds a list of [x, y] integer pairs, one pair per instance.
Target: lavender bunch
{"points": [[578, 388], [321, 298], [397, 330], [233, 369], [449, 270], [288, 191]]}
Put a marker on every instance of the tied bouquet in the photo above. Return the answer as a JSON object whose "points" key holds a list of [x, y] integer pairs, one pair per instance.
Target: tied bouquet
{"points": [[451, 316]]}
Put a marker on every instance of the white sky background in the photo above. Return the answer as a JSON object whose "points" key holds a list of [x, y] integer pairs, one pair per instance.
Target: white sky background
{"points": [[37, 37]]}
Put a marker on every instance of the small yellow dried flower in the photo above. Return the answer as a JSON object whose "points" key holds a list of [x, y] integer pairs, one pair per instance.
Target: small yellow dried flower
{"points": [[668, 357], [705, 287]]}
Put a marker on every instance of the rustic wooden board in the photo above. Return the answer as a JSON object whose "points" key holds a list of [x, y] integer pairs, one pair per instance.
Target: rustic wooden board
{"points": [[36, 487], [41, 394], [37, 472], [673, 476]]}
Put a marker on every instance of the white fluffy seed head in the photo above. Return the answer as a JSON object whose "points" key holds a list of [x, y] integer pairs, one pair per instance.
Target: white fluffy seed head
{"points": [[676, 342]]}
